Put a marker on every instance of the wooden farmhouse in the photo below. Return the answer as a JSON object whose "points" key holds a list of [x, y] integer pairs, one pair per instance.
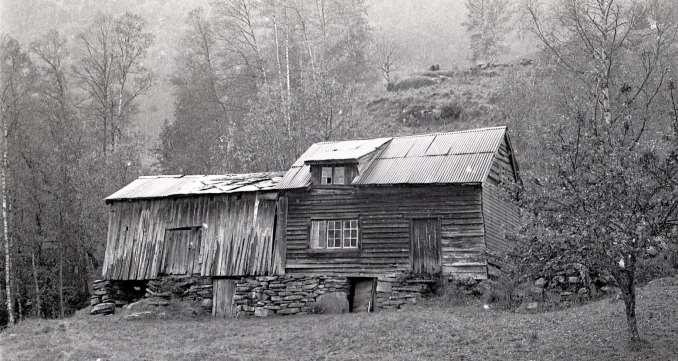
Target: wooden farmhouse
{"points": [[425, 204], [373, 221]]}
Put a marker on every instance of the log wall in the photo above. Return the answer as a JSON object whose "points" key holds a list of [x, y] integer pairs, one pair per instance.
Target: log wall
{"points": [[236, 236], [385, 217]]}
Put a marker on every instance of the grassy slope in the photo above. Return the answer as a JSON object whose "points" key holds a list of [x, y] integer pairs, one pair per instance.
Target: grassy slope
{"points": [[591, 332], [473, 93]]}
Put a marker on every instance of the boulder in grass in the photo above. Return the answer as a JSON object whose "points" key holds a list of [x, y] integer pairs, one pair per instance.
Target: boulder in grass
{"points": [[105, 308], [333, 302], [206, 303], [262, 312]]}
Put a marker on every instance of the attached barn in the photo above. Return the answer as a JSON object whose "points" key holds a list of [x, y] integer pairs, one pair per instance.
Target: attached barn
{"points": [[218, 227]]}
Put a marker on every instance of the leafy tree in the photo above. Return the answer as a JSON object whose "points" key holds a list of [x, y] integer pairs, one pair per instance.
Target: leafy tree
{"points": [[487, 25], [606, 190]]}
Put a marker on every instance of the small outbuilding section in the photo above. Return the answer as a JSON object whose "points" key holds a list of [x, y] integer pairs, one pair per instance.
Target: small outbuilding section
{"points": [[199, 227]]}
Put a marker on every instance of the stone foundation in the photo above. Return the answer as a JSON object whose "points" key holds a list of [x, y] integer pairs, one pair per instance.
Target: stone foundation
{"points": [[284, 295], [299, 294], [107, 295], [260, 296]]}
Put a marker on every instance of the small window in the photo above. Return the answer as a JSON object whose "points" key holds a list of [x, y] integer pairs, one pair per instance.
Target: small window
{"points": [[334, 234], [333, 175], [326, 177]]}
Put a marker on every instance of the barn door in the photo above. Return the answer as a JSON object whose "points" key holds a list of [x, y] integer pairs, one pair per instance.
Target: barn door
{"points": [[425, 236], [181, 251], [223, 290]]}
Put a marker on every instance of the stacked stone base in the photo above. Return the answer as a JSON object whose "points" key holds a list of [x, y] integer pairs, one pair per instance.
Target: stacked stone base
{"points": [[265, 295], [301, 294], [107, 295], [284, 295]]}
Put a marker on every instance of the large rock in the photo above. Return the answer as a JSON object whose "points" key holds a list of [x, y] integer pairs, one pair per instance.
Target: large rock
{"points": [[541, 282], [105, 308], [262, 312], [333, 302], [206, 303]]}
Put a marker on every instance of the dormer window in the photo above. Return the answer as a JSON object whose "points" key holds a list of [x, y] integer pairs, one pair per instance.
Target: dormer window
{"points": [[333, 175]]}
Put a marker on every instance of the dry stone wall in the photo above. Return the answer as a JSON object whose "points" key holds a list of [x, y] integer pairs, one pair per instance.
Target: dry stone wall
{"points": [[107, 295], [302, 294], [284, 295], [262, 296]]}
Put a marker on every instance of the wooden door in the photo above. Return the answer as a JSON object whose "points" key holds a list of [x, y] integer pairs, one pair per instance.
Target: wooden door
{"points": [[425, 249], [222, 297], [181, 254], [363, 295]]}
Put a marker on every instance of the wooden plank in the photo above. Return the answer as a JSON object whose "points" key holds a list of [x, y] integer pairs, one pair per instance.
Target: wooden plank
{"points": [[222, 297]]}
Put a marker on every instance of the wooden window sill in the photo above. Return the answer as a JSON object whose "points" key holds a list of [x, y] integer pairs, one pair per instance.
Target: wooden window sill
{"points": [[333, 252]]}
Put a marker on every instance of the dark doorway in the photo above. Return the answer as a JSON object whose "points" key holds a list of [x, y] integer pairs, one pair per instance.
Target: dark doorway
{"points": [[361, 297], [425, 235]]}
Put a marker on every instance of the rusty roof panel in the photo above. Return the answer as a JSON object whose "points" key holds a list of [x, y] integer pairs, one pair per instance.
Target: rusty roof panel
{"points": [[175, 185]]}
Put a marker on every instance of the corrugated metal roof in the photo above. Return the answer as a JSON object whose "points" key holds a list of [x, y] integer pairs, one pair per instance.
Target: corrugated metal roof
{"points": [[451, 157], [343, 150], [161, 186]]}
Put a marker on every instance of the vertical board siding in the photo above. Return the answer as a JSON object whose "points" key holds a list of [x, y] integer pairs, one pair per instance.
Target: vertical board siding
{"points": [[385, 217], [236, 239], [501, 215]]}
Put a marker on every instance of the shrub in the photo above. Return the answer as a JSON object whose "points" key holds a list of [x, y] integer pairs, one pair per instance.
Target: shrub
{"points": [[664, 264], [415, 82]]}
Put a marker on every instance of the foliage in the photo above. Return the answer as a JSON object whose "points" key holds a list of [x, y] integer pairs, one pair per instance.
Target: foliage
{"points": [[59, 172], [259, 82], [487, 24], [606, 187]]}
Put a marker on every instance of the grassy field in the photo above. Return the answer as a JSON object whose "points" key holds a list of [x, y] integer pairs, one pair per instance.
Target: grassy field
{"points": [[594, 331]]}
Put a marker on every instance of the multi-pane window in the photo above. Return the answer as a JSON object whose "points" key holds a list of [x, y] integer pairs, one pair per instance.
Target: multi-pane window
{"points": [[332, 175], [334, 234]]}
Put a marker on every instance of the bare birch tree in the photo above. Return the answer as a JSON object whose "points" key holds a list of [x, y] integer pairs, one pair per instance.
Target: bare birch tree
{"points": [[15, 79], [111, 71]]}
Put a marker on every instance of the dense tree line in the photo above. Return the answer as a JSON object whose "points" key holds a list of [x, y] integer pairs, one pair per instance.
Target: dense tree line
{"points": [[66, 109], [259, 81], [594, 123]]}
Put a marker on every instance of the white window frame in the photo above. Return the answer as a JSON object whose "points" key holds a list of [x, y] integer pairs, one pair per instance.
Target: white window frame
{"points": [[333, 170], [345, 229]]}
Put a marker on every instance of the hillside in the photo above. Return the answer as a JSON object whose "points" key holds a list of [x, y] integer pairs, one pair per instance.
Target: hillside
{"points": [[595, 331], [443, 100]]}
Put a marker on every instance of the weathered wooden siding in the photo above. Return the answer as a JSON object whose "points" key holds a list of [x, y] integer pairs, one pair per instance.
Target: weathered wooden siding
{"points": [[502, 169], [385, 219], [237, 235], [501, 215]]}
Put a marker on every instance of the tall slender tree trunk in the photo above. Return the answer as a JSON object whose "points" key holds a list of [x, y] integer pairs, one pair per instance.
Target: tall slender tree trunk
{"points": [[5, 231], [38, 303], [61, 279], [288, 87], [283, 102]]}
